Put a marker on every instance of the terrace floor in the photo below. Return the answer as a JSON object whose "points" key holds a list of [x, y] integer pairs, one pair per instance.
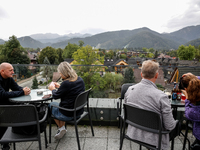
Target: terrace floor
{"points": [[105, 138]]}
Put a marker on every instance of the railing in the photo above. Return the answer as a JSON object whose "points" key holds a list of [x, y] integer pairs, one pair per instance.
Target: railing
{"points": [[104, 86], [106, 90]]}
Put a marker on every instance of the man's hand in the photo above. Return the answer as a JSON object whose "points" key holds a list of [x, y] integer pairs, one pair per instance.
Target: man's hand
{"points": [[26, 90]]}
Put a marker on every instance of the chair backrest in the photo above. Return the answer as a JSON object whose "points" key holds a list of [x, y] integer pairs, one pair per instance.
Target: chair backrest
{"points": [[82, 99], [143, 119], [18, 115], [125, 88]]}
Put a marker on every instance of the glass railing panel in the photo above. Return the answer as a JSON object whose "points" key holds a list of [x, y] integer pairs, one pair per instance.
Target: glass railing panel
{"points": [[105, 81]]}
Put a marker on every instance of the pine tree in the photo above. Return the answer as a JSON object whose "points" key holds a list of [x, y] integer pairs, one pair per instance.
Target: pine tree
{"points": [[129, 75], [35, 83]]}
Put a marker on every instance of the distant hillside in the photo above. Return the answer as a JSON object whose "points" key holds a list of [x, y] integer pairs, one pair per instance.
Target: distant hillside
{"points": [[188, 33], [96, 39], [44, 36], [195, 43], [31, 43], [2, 41], [151, 39], [54, 38], [142, 37]]}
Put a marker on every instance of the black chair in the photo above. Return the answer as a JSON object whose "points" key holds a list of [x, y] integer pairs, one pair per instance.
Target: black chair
{"points": [[188, 126], [19, 116], [145, 120], [81, 101], [124, 88]]}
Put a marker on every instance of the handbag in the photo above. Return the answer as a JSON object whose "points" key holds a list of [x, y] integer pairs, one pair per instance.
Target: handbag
{"points": [[32, 129]]}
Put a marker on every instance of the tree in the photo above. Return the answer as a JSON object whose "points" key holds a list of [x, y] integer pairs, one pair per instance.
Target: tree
{"points": [[47, 70], [111, 54], [156, 54], [69, 50], [48, 52], [145, 49], [142, 55], [112, 80], [88, 56], [173, 53], [129, 75], [14, 53], [186, 52], [118, 80], [59, 52], [150, 55], [2, 56], [35, 83], [123, 56], [151, 50], [81, 43]]}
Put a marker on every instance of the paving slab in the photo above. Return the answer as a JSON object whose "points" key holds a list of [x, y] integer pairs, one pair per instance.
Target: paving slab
{"points": [[105, 138]]}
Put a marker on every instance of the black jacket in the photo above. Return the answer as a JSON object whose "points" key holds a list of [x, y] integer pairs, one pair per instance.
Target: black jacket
{"points": [[67, 92], [5, 94]]}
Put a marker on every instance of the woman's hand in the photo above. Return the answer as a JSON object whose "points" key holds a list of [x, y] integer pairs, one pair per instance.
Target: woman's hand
{"points": [[52, 86], [57, 85], [185, 93]]}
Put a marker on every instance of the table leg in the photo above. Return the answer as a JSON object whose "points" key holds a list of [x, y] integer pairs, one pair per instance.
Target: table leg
{"points": [[172, 144], [175, 112], [185, 136], [175, 115]]}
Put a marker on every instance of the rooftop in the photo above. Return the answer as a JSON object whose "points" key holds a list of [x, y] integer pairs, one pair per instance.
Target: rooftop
{"points": [[105, 138]]}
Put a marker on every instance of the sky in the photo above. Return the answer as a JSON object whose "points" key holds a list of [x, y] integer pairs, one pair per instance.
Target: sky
{"points": [[27, 17]]}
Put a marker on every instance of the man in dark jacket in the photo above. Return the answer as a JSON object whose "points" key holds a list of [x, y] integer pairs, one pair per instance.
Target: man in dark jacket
{"points": [[7, 83]]}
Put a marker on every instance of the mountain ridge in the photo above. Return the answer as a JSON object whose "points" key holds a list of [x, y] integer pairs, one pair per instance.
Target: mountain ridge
{"points": [[141, 37]]}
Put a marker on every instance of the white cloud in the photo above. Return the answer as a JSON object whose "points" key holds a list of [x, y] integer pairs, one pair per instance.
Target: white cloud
{"points": [[23, 17], [189, 17]]}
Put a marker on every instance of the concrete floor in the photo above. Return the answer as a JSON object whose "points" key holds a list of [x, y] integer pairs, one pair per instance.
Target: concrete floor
{"points": [[106, 138]]}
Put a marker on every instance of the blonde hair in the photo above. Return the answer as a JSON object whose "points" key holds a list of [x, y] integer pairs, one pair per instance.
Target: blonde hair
{"points": [[67, 71], [149, 69]]}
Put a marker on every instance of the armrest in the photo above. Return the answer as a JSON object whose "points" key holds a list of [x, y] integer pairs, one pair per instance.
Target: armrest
{"points": [[118, 111], [178, 127], [119, 105], [45, 116], [62, 108], [176, 131]]}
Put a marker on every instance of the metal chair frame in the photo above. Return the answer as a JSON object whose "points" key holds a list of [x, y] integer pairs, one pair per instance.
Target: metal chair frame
{"points": [[19, 116], [81, 101], [124, 88], [150, 121]]}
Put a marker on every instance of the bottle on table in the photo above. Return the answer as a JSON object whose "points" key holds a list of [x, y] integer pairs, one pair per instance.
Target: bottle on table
{"points": [[179, 94], [174, 92]]}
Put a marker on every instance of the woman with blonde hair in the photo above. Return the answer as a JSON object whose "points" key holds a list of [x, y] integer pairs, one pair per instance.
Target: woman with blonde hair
{"points": [[191, 85], [67, 91]]}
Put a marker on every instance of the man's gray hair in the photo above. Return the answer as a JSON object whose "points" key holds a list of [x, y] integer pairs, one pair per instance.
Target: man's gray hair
{"points": [[149, 69]]}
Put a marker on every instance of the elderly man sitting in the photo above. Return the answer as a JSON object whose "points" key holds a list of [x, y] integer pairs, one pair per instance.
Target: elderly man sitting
{"points": [[146, 95]]}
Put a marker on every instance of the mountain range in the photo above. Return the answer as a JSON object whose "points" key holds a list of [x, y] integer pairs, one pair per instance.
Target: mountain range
{"points": [[137, 38]]}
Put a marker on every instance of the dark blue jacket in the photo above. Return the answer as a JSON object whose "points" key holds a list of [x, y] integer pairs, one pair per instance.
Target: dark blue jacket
{"points": [[5, 94], [67, 92]]}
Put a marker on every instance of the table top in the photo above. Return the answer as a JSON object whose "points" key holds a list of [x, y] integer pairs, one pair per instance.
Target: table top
{"points": [[177, 103], [36, 95]]}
